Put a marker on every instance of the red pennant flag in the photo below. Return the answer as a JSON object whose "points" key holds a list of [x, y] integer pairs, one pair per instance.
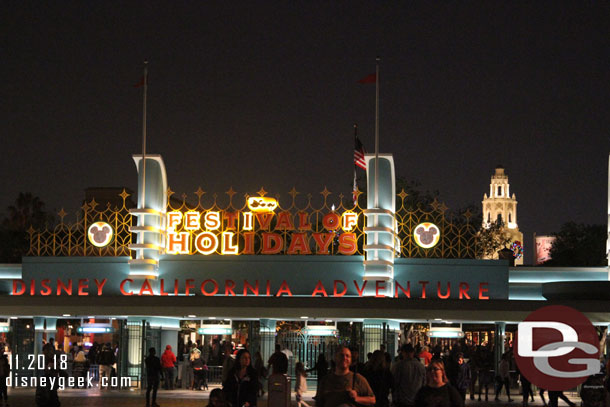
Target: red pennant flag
{"points": [[372, 78]]}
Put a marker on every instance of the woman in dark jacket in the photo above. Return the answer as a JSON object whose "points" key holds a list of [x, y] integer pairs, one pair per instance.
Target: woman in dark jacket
{"points": [[438, 392], [241, 386]]}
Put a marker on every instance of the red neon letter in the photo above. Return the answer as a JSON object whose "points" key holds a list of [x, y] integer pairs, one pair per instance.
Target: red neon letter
{"points": [[122, 287], [162, 288], [66, 288], [46, 288], [19, 291], [100, 285], [229, 287], [247, 286], [464, 287], [342, 293], [407, 293], [284, 289], [319, 289], [189, 285], [438, 290], [360, 290], [204, 292], [379, 285], [483, 290], [83, 284], [423, 288], [146, 288]]}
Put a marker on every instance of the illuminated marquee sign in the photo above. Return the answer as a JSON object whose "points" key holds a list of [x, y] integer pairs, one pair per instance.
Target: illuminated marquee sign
{"points": [[100, 234], [261, 204], [260, 231], [426, 235]]}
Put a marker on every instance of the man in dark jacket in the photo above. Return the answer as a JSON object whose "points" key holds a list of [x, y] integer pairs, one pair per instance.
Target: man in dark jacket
{"points": [[153, 373], [105, 359]]}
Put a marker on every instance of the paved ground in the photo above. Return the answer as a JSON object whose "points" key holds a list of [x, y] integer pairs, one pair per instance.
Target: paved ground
{"points": [[186, 398]]}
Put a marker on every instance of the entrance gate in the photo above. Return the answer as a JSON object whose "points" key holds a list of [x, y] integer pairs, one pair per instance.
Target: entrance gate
{"points": [[306, 349]]}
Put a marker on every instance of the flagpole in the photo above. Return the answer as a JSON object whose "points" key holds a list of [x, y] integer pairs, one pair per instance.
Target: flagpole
{"points": [[376, 131], [144, 135], [355, 197]]}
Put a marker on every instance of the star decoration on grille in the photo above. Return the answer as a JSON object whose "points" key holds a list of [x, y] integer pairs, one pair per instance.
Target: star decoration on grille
{"points": [[435, 204], [170, 192], [468, 214], [93, 204], [293, 193], [230, 192], [62, 214], [261, 192], [443, 207], [403, 194], [124, 194], [325, 193], [199, 192]]}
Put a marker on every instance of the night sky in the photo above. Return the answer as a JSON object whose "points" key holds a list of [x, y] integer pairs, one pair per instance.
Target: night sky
{"points": [[251, 94]]}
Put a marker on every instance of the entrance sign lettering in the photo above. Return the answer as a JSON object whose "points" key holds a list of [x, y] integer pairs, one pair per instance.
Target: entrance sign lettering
{"points": [[232, 233]]}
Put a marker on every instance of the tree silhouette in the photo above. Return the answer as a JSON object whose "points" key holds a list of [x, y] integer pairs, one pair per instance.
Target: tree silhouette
{"points": [[579, 245], [27, 212]]}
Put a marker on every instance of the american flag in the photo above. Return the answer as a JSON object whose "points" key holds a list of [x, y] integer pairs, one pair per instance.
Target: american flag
{"points": [[359, 155]]}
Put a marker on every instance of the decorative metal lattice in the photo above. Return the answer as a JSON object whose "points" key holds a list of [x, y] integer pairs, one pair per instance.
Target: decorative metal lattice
{"points": [[457, 240]]}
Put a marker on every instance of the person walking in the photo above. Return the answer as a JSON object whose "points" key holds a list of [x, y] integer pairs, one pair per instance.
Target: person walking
{"points": [[437, 392], [409, 376], [321, 369], [503, 377], [197, 364], [241, 386], [153, 373], [5, 371], [105, 360], [464, 376], [343, 387], [168, 361], [300, 384]]}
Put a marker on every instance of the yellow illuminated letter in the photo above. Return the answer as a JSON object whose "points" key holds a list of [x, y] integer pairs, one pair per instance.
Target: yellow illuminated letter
{"points": [[228, 247], [178, 243], [212, 220], [350, 219], [173, 219], [191, 220], [206, 243]]}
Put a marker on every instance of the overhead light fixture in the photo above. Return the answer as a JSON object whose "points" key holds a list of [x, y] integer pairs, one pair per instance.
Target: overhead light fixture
{"points": [[191, 316], [438, 319], [93, 328], [66, 315], [304, 317], [215, 330]]}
